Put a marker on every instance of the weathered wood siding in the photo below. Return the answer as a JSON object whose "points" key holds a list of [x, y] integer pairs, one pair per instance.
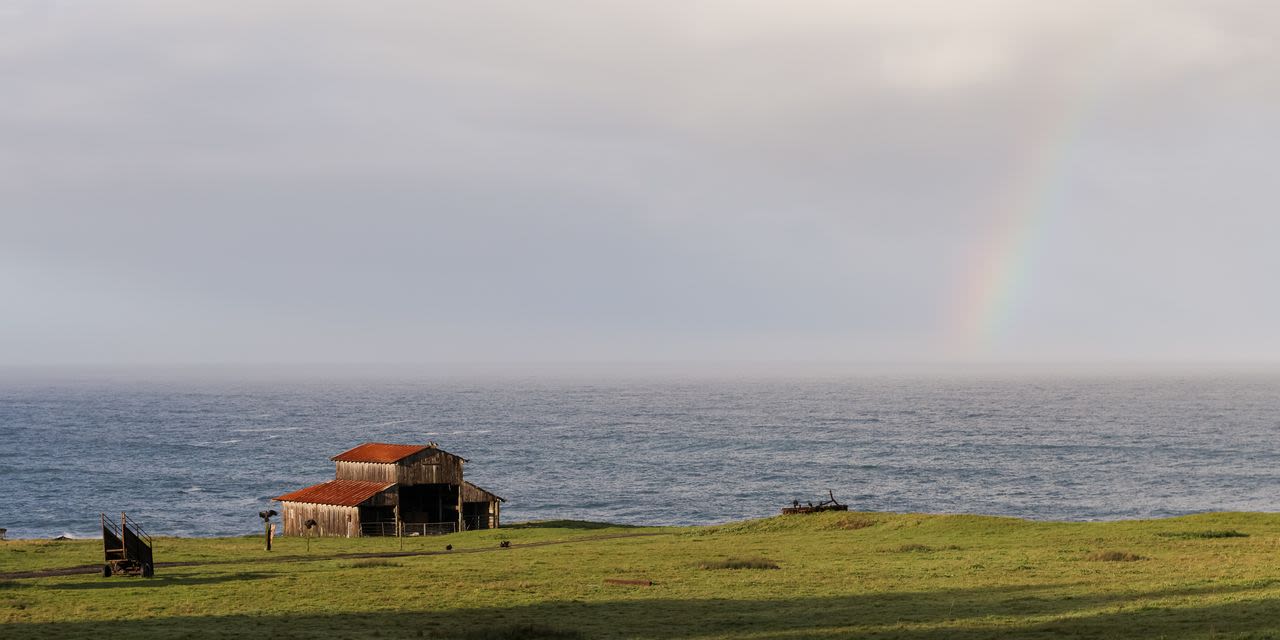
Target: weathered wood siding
{"points": [[388, 498], [331, 520], [367, 471], [431, 466], [472, 493]]}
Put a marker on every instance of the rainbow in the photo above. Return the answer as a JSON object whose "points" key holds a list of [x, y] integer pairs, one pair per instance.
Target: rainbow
{"points": [[1004, 261]]}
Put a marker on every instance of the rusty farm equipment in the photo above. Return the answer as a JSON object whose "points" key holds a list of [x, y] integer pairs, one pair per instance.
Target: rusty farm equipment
{"points": [[831, 504], [126, 548]]}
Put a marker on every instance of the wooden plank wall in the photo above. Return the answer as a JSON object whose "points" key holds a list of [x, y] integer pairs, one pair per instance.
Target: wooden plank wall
{"points": [[427, 467], [331, 520], [472, 493], [367, 471], [430, 467], [388, 498]]}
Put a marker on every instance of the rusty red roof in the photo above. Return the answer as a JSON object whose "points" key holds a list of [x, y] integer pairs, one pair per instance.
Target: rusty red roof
{"points": [[379, 452], [345, 493]]}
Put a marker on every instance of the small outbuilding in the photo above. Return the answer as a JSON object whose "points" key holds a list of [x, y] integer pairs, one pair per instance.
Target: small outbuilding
{"points": [[480, 507], [392, 489]]}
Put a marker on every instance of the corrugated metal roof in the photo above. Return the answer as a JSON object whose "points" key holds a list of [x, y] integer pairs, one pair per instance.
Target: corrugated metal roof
{"points": [[379, 452], [345, 493]]}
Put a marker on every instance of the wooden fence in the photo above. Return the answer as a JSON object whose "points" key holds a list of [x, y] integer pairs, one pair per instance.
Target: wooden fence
{"points": [[407, 528]]}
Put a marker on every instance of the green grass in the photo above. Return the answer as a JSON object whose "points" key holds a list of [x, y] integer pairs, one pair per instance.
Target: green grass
{"points": [[842, 575]]}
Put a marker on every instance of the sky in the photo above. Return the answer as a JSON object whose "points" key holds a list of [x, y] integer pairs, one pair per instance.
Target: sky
{"points": [[690, 181]]}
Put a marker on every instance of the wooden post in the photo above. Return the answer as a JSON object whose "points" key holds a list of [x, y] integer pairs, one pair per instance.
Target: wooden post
{"points": [[461, 522]]}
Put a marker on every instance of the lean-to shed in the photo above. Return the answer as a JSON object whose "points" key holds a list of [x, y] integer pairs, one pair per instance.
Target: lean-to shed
{"points": [[339, 507], [480, 508]]}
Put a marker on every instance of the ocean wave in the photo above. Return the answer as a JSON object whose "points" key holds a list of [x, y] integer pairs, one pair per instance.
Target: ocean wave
{"points": [[383, 424]]}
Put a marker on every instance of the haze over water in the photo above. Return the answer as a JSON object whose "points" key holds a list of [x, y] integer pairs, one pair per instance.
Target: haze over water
{"points": [[193, 455]]}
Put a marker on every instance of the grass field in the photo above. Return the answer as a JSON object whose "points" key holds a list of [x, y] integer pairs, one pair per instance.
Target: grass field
{"points": [[819, 576]]}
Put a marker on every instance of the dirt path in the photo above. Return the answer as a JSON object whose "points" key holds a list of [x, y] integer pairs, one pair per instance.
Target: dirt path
{"points": [[97, 568]]}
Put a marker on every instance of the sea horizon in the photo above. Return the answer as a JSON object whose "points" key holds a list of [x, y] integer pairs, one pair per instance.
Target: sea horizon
{"points": [[198, 454]]}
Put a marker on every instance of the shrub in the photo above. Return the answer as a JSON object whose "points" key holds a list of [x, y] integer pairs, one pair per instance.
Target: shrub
{"points": [[739, 563], [371, 564], [1114, 556], [913, 548], [521, 632], [1196, 535]]}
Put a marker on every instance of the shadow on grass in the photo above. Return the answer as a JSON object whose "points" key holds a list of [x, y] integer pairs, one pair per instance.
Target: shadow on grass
{"points": [[159, 581], [566, 524], [1037, 611]]}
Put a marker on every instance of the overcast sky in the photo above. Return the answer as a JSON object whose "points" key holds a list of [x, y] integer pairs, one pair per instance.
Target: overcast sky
{"points": [[571, 181]]}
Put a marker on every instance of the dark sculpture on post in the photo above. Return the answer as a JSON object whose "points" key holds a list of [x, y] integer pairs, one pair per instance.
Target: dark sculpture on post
{"points": [[266, 523], [309, 524]]}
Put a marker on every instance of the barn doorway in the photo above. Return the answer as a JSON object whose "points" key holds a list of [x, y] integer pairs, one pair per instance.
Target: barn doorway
{"points": [[475, 515], [429, 508], [378, 521]]}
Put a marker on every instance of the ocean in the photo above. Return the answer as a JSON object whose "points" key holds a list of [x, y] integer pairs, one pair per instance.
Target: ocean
{"points": [[197, 455]]}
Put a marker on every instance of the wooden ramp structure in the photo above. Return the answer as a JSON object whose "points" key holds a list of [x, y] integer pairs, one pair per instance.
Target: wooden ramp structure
{"points": [[126, 548]]}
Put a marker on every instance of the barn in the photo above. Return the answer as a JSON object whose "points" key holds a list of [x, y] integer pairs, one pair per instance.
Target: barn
{"points": [[382, 489]]}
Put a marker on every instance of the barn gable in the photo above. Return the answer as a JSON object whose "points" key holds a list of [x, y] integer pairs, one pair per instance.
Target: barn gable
{"points": [[402, 464]]}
